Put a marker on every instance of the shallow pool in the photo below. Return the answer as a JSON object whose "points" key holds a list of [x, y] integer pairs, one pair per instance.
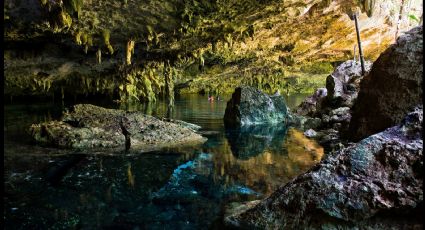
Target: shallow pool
{"points": [[178, 188]]}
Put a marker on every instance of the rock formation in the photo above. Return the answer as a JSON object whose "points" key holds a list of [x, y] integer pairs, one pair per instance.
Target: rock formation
{"points": [[250, 106], [392, 88], [343, 83], [328, 111], [89, 126], [375, 183]]}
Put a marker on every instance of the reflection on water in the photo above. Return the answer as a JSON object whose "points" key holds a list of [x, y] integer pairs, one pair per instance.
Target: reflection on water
{"points": [[179, 188], [282, 155], [250, 141]]}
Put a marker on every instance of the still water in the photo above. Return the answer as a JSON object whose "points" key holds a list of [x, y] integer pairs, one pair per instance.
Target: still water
{"points": [[179, 188]]}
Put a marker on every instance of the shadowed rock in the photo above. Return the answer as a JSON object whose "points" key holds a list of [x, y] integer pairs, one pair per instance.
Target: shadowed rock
{"points": [[89, 126], [393, 87]]}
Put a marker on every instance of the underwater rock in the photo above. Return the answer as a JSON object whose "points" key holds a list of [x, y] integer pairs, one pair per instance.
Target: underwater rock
{"points": [[89, 126], [393, 87], [250, 106], [374, 184], [192, 182]]}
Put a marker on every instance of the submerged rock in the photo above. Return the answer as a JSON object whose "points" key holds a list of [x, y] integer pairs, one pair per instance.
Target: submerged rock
{"points": [[194, 182], [89, 126], [393, 87], [373, 184], [250, 106]]}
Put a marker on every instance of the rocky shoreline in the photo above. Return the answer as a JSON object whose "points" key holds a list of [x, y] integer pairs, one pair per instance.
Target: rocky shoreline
{"points": [[365, 185], [375, 183]]}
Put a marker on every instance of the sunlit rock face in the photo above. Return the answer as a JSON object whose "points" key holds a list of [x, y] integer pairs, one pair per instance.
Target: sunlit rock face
{"points": [[392, 88], [250, 106], [375, 183]]}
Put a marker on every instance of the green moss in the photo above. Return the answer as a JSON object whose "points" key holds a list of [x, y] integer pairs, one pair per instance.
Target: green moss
{"points": [[318, 68]]}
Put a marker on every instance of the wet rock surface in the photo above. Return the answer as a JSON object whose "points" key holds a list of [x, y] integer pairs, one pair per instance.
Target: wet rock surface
{"points": [[89, 126], [250, 106], [393, 87], [191, 182], [373, 184]]}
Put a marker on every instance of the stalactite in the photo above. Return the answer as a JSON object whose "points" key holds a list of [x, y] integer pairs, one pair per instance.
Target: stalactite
{"points": [[368, 6], [130, 51], [99, 56], [169, 84]]}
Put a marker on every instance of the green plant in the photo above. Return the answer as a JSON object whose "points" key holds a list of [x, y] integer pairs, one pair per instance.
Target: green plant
{"points": [[413, 17], [318, 68]]}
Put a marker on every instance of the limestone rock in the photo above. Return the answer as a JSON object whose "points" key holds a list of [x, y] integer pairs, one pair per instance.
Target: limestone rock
{"points": [[310, 133], [393, 87], [304, 122], [310, 105], [250, 106], [342, 84], [89, 126], [373, 184]]}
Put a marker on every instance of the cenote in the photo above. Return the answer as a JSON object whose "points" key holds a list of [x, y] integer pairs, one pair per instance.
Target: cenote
{"points": [[112, 116], [174, 188]]}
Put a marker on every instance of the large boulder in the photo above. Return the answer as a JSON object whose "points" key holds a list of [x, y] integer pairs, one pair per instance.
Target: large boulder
{"points": [[343, 83], [373, 184], [310, 105], [392, 88], [89, 126], [250, 106]]}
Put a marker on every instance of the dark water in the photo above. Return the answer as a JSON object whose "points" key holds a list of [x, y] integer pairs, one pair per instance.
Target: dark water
{"points": [[180, 188]]}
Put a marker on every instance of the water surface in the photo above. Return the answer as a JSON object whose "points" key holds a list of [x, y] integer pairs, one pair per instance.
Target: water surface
{"points": [[179, 188]]}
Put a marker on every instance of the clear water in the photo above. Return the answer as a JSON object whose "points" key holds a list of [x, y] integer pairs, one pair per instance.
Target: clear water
{"points": [[180, 188]]}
